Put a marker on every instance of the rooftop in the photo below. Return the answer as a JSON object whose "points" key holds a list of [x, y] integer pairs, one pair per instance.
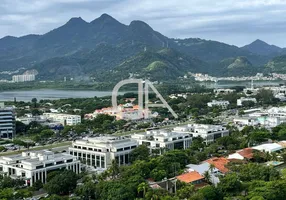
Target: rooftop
{"points": [[246, 153], [219, 163], [190, 177]]}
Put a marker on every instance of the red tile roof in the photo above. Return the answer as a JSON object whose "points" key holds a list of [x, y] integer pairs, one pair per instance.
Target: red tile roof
{"points": [[246, 153], [190, 177], [219, 163]]}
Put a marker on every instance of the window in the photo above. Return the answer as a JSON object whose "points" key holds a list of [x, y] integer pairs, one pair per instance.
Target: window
{"points": [[70, 160], [39, 166], [126, 148], [133, 147], [121, 149], [49, 164], [84, 148], [90, 149], [59, 162]]}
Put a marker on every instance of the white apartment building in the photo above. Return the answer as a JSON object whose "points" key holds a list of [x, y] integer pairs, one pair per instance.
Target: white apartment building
{"points": [[222, 104], [163, 139], [223, 91], [7, 122], [64, 119], [240, 101], [34, 166], [23, 78], [100, 151], [207, 131]]}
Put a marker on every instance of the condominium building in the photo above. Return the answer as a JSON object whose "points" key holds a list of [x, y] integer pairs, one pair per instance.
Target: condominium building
{"points": [[34, 166], [100, 151], [7, 122], [64, 119], [23, 78], [240, 101], [207, 131], [163, 139], [215, 103]]}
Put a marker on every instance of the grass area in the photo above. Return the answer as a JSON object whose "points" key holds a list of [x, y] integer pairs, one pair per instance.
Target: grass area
{"points": [[37, 148]]}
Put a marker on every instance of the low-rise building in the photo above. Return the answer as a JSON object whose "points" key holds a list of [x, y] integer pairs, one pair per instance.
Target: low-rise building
{"points": [[215, 103], [242, 154], [220, 91], [163, 139], [100, 151], [207, 131], [239, 102], [192, 177], [64, 119], [269, 147], [34, 166]]}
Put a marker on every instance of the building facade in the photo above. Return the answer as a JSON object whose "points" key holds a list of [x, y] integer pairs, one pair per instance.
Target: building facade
{"points": [[207, 131], [23, 78], [34, 166], [240, 101], [7, 122], [163, 140], [215, 103], [100, 151], [64, 119]]}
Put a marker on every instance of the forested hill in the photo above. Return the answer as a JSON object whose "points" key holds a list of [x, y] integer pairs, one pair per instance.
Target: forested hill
{"points": [[104, 46]]}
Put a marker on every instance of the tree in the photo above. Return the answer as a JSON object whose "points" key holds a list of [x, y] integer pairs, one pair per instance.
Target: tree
{"points": [[61, 183], [87, 190], [142, 187], [229, 184], [34, 101], [207, 176], [209, 192], [141, 152], [186, 191], [37, 185]]}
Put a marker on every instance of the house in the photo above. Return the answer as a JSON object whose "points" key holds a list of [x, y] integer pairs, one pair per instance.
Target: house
{"points": [[219, 163], [192, 177], [243, 154], [203, 168], [270, 147]]}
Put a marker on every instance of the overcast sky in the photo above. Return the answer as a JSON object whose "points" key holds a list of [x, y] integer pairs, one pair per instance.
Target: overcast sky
{"points": [[237, 22]]}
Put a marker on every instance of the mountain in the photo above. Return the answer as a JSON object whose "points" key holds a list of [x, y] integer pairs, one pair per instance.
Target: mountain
{"points": [[238, 66], [277, 64], [80, 48], [262, 48], [165, 64]]}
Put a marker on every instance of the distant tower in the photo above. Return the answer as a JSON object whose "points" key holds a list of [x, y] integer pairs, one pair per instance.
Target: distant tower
{"points": [[65, 79], [252, 84], [145, 49]]}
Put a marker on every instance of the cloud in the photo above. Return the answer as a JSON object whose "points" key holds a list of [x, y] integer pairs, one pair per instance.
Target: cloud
{"points": [[232, 21]]}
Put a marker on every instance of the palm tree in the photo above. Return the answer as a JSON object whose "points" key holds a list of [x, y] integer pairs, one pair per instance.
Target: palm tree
{"points": [[207, 176], [142, 187], [114, 169], [212, 167]]}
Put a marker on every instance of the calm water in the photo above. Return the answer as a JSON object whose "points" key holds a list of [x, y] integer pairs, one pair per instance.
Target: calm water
{"points": [[50, 94]]}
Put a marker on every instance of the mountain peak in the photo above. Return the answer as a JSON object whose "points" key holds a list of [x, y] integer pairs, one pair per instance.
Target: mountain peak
{"points": [[262, 48], [140, 24], [103, 19], [76, 20]]}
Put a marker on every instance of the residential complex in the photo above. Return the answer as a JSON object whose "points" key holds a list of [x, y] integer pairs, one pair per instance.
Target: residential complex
{"points": [[23, 78], [7, 121], [240, 101], [64, 119], [34, 166], [215, 103], [208, 132], [100, 151], [163, 139]]}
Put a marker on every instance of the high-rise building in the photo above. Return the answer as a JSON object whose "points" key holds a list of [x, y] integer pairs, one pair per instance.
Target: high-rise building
{"points": [[23, 78], [7, 122]]}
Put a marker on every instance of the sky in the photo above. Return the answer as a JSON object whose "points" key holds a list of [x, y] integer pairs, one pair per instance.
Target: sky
{"points": [[236, 22]]}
